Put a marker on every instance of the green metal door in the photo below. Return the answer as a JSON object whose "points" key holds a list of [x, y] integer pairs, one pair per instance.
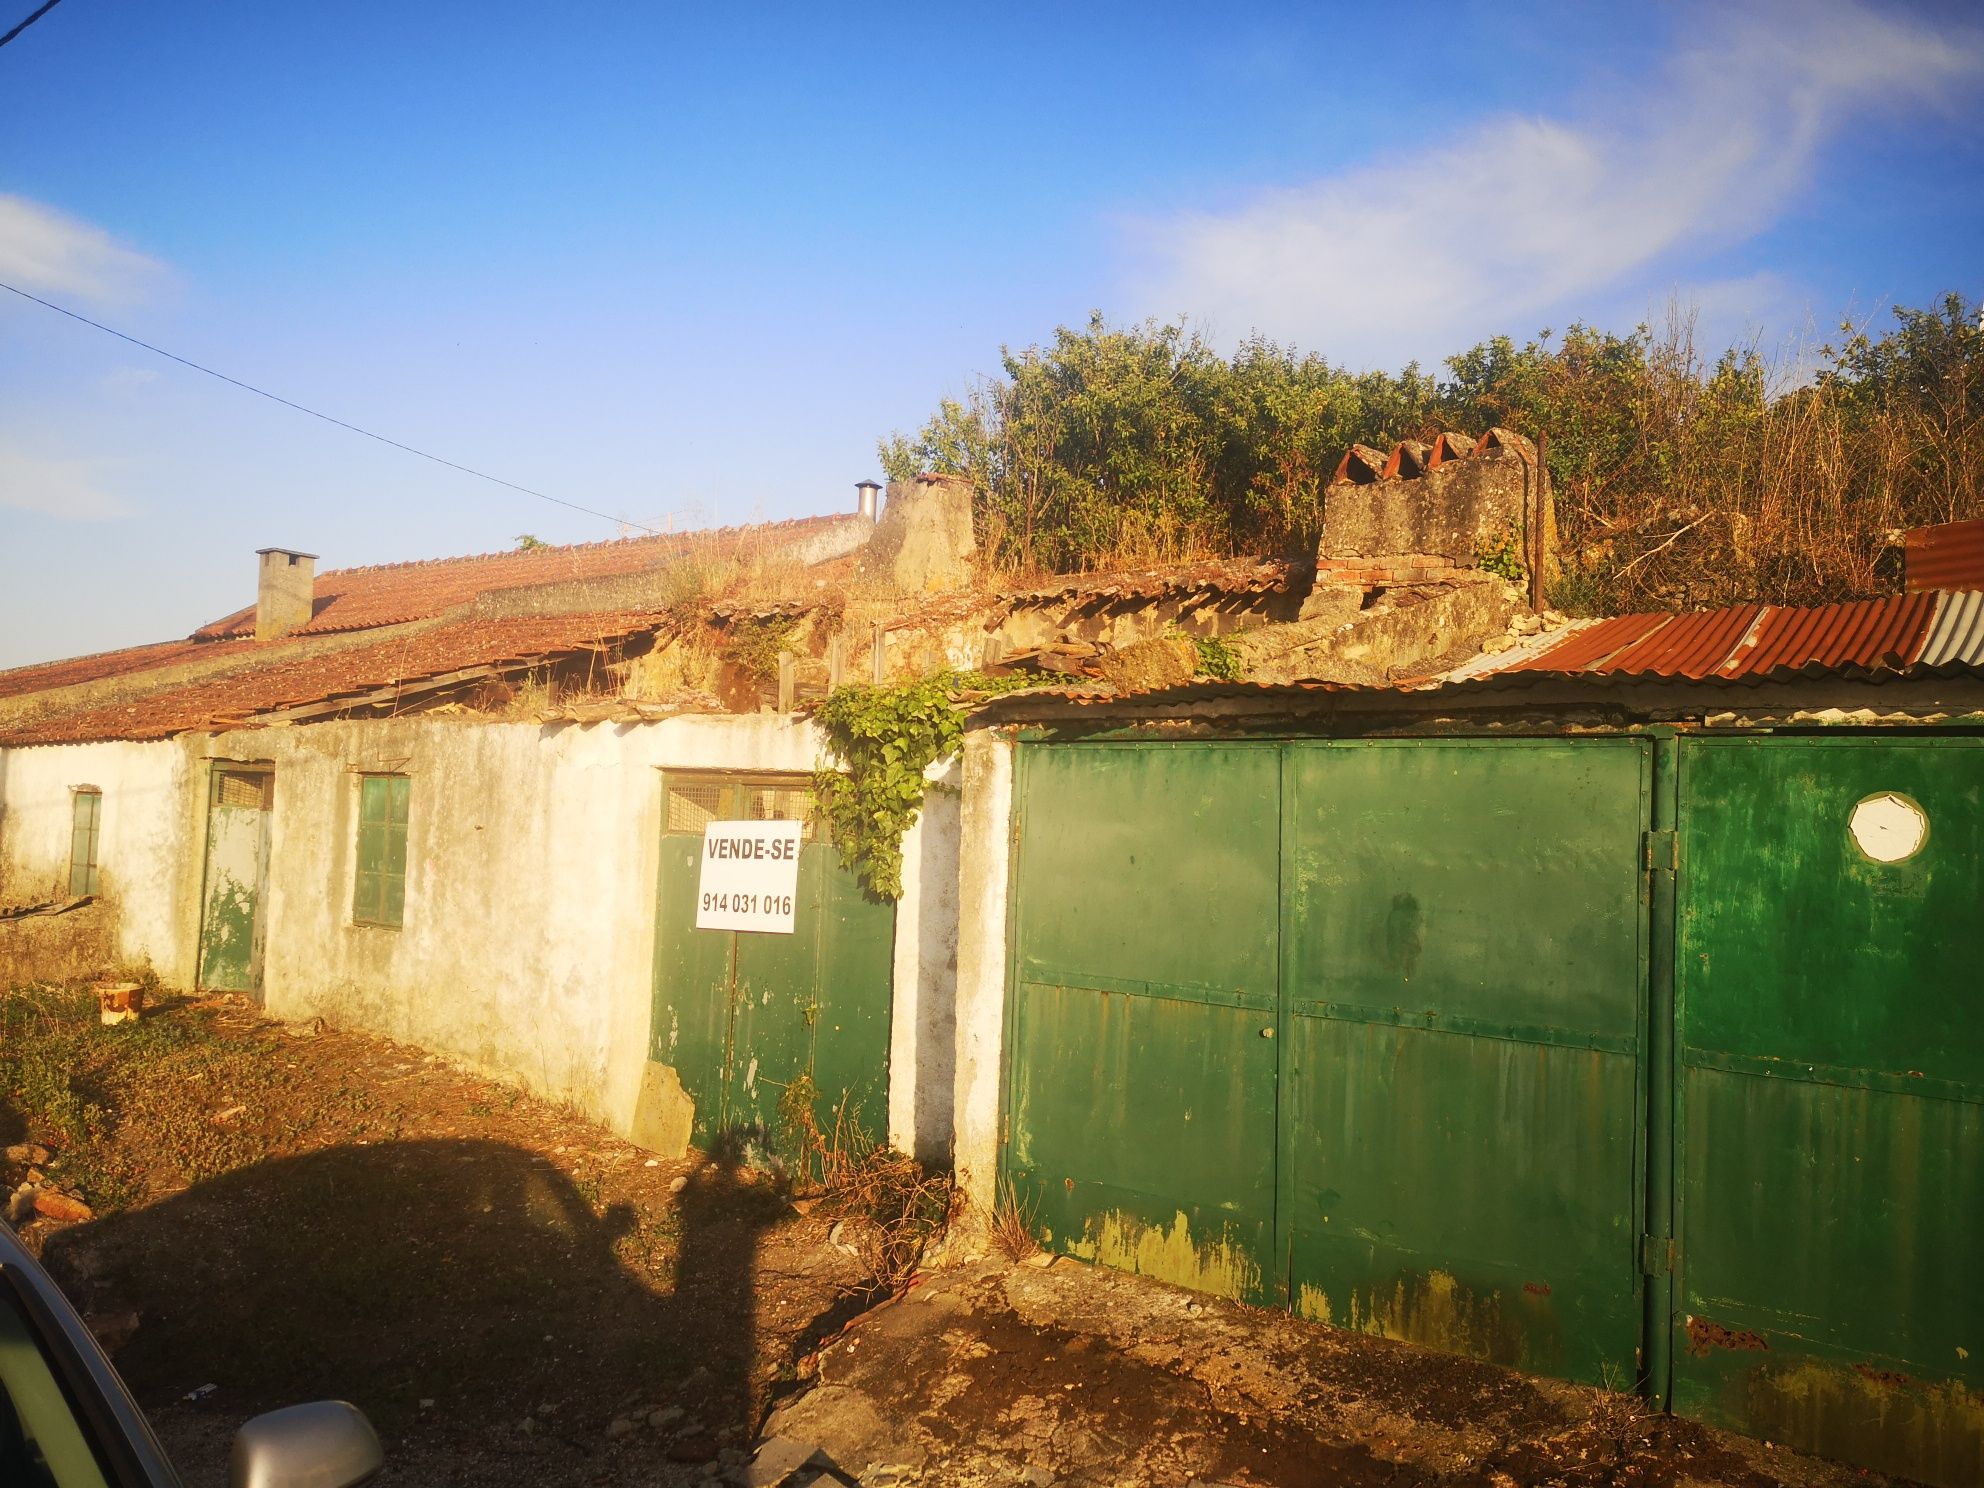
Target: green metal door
{"points": [[1463, 1001], [1141, 1080], [741, 1016], [1356, 1027], [1830, 1145], [232, 923]]}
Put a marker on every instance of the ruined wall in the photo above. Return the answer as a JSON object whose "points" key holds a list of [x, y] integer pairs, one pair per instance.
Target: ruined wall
{"points": [[924, 540], [1429, 514], [146, 816]]}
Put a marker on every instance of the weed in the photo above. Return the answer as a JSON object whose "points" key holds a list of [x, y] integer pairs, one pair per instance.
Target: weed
{"points": [[1014, 1220], [756, 641], [1502, 557], [895, 1209], [1216, 659]]}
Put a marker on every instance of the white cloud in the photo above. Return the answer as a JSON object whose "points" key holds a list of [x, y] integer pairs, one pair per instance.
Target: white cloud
{"points": [[1521, 217], [49, 252], [125, 379], [71, 489]]}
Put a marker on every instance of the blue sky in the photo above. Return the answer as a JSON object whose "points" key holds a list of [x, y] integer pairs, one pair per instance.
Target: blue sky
{"points": [[692, 262]]}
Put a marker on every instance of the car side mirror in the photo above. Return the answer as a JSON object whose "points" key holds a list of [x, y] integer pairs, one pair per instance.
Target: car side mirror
{"points": [[326, 1444]]}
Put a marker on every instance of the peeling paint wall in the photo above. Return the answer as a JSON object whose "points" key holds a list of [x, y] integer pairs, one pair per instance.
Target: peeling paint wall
{"points": [[145, 896]]}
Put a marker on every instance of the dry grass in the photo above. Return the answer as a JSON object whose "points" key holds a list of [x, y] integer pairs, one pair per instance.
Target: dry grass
{"points": [[894, 1209], [1013, 1223]]}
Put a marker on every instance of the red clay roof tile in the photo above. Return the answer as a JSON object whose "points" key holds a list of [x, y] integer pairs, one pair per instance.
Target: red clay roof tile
{"points": [[360, 598]]}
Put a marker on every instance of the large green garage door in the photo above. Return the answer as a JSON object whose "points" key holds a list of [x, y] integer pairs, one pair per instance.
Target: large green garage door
{"points": [[1462, 981], [1831, 1113], [742, 1015], [1144, 1008], [1352, 1026]]}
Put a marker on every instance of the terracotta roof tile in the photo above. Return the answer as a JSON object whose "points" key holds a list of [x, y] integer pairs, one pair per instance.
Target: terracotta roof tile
{"points": [[293, 679], [360, 598], [47, 675]]}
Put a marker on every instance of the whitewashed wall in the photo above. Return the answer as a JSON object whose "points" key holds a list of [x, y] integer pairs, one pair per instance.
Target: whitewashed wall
{"points": [[528, 939], [150, 806]]}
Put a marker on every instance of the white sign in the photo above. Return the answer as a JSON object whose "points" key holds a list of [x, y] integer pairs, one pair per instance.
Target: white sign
{"points": [[750, 876]]}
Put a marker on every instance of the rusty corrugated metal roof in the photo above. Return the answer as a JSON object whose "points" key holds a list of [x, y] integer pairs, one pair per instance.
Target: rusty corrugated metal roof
{"points": [[1684, 646], [1588, 650], [1947, 556], [1862, 633], [1956, 634], [1747, 640]]}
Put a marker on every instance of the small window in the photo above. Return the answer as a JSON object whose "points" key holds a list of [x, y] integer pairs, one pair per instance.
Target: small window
{"points": [[692, 807], [86, 814], [379, 896], [693, 802]]}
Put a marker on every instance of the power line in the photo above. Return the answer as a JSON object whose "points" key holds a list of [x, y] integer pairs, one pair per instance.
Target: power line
{"points": [[327, 418], [29, 21]]}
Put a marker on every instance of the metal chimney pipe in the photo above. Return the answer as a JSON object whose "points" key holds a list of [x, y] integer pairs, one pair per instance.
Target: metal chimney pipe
{"points": [[865, 494]]}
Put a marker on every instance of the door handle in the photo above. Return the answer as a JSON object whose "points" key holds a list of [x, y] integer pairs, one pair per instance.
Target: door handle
{"points": [[1267, 1032]]}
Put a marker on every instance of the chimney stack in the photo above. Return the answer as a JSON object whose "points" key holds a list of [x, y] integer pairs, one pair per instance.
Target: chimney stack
{"points": [[285, 591], [864, 499]]}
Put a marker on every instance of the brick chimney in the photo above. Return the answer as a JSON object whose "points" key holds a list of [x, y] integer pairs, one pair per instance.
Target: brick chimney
{"points": [[285, 591]]}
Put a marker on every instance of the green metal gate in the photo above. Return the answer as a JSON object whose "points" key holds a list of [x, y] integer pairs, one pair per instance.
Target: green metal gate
{"points": [[740, 1016], [1463, 974], [1141, 1101], [1355, 1027], [1830, 1126]]}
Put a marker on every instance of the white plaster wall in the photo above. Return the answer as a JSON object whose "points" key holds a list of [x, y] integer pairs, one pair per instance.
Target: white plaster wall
{"points": [[141, 852], [528, 933], [528, 942], [985, 865], [922, 1048]]}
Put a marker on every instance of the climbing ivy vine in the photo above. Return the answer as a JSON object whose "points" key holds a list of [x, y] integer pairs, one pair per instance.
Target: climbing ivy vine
{"points": [[886, 737]]}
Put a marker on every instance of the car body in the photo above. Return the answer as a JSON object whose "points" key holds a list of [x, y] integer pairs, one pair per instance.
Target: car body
{"points": [[67, 1420]]}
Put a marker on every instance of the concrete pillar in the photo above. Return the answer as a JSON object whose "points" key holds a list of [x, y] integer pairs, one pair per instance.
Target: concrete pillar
{"points": [[984, 857]]}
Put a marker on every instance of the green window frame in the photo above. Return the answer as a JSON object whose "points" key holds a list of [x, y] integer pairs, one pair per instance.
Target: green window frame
{"points": [[86, 817], [379, 894]]}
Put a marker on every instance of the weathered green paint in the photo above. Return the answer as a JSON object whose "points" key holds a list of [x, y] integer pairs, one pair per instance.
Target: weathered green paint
{"points": [[1610, 1058], [1831, 1124], [740, 1016], [1141, 1091], [1462, 973], [1210, 1066], [379, 894], [237, 866]]}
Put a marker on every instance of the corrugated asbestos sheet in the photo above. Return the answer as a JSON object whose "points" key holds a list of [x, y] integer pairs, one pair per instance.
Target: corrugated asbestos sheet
{"points": [[1957, 632], [1949, 556]]}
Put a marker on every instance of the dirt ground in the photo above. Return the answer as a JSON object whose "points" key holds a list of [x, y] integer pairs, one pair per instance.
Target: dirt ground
{"points": [[515, 1297]]}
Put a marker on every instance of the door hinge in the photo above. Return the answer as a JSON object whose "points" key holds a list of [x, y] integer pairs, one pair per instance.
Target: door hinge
{"points": [[1657, 1255], [1005, 1130], [1660, 849]]}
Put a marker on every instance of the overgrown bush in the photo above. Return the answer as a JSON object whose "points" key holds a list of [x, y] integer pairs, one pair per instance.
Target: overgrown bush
{"points": [[1683, 477]]}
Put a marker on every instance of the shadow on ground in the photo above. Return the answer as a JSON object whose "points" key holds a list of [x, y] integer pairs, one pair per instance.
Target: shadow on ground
{"points": [[434, 1282]]}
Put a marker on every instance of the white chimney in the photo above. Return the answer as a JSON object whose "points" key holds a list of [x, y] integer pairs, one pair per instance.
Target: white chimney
{"points": [[865, 493]]}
